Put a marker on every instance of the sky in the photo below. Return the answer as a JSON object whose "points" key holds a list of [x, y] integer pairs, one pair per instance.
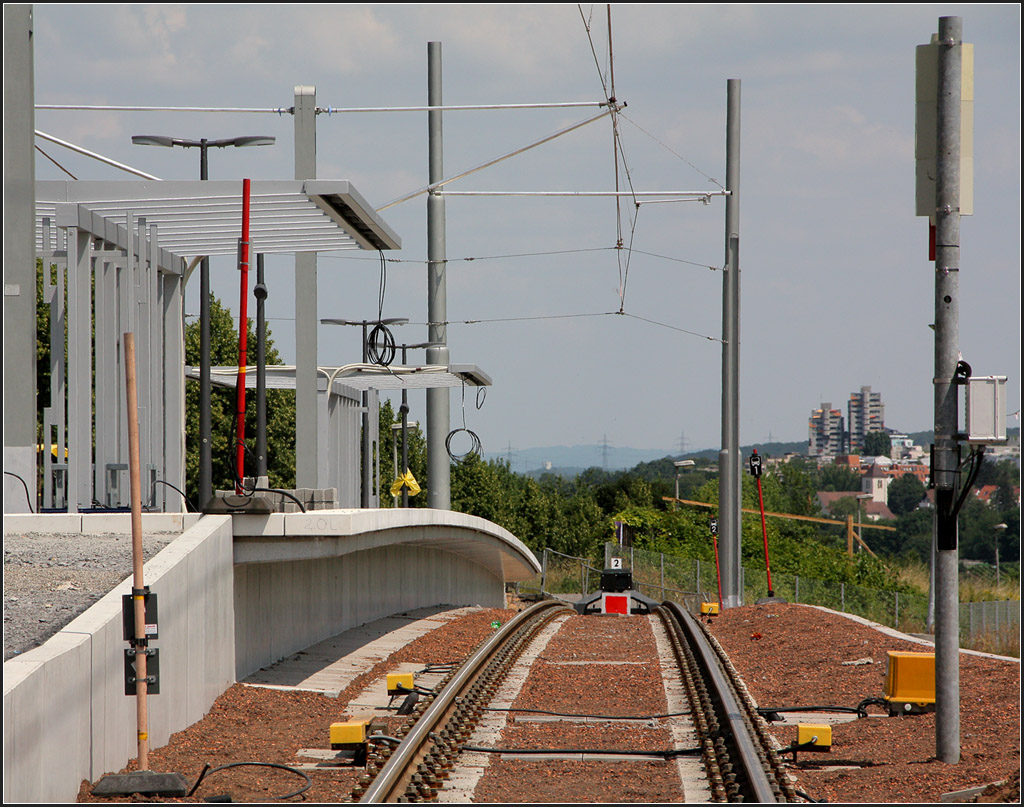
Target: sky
{"points": [[837, 292]]}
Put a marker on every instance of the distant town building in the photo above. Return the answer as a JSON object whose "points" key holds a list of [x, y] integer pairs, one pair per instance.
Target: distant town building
{"points": [[865, 413], [826, 431]]}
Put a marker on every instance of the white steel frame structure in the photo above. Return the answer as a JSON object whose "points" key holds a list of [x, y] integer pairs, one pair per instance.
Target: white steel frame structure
{"points": [[123, 252]]}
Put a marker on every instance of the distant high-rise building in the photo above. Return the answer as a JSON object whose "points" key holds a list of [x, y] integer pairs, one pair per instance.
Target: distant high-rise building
{"points": [[826, 431], [865, 413]]}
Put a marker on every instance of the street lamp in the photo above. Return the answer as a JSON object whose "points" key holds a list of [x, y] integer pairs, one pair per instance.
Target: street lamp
{"points": [[860, 530], [205, 418], [999, 528], [364, 496], [679, 465]]}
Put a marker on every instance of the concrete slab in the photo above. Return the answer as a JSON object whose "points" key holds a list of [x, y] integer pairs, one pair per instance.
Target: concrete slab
{"points": [[331, 665]]}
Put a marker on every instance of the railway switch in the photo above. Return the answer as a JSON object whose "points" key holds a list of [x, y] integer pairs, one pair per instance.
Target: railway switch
{"points": [[910, 683]]}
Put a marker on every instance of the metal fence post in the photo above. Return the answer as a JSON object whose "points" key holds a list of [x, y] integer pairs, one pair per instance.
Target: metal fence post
{"points": [[842, 597]]}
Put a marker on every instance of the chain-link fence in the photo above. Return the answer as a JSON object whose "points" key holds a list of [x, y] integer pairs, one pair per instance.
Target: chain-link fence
{"points": [[984, 625]]}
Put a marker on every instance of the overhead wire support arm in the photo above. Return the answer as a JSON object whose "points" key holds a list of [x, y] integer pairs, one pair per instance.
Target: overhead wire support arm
{"points": [[656, 195], [437, 185]]}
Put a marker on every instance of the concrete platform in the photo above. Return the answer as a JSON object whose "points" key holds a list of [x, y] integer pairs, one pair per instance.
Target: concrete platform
{"points": [[331, 665]]}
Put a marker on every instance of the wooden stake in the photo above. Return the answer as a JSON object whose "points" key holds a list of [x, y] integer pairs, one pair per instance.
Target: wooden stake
{"points": [[138, 597]]}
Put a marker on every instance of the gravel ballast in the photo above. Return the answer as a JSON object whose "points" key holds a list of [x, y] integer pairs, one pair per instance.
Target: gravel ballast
{"points": [[50, 578]]}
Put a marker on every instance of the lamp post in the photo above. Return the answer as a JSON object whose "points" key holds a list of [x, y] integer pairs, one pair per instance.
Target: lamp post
{"points": [[364, 496], [205, 419], [860, 530], [680, 464], [404, 410], [999, 529]]}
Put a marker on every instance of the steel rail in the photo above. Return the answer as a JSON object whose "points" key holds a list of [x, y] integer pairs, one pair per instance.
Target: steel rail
{"points": [[735, 720], [393, 778]]}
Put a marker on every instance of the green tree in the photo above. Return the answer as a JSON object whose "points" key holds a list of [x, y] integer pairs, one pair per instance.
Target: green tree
{"points": [[280, 411], [877, 444], [905, 494], [838, 478]]}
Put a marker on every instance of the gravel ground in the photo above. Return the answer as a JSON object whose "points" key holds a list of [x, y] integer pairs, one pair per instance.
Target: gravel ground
{"points": [[794, 655], [789, 655], [49, 579]]}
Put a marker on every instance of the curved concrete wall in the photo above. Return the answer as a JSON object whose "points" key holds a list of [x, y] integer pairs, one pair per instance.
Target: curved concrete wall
{"points": [[283, 607], [235, 593]]}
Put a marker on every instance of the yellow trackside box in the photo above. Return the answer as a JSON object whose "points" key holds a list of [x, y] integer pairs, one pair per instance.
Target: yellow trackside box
{"points": [[819, 735], [400, 682], [348, 734], [709, 609], [910, 681]]}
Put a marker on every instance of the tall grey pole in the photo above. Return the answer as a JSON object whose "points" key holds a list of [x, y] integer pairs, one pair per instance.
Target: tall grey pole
{"points": [[306, 444], [947, 337], [438, 408], [729, 464], [205, 382], [19, 262], [260, 292]]}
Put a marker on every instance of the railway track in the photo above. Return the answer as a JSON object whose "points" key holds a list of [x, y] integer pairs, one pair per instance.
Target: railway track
{"points": [[716, 732]]}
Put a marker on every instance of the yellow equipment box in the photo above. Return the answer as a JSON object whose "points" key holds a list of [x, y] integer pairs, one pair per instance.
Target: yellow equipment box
{"points": [[910, 682], [399, 683], [817, 737], [709, 609], [350, 733]]}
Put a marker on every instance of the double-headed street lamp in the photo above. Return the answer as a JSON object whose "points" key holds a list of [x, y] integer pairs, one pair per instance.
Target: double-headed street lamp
{"points": [[205, 419]]}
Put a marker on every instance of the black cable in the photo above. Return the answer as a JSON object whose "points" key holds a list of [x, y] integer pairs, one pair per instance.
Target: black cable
{"points": [[207, 770], [977, 458], [186, 498], [380, 346], [812, 800], [28, 496], [474, 448], [860, 709]]}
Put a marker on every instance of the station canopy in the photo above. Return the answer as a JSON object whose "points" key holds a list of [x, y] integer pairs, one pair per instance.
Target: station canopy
{"points": [[359, 376], [204, 218]]}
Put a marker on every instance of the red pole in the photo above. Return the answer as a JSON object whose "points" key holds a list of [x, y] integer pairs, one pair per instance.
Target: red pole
{"points": [[764, 532], [243, 323]]}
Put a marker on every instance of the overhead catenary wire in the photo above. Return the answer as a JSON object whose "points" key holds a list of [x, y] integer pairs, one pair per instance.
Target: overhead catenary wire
{"points": [[328, 110], [437, 185]]}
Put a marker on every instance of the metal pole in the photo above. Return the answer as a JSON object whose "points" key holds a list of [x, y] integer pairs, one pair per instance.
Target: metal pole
{"points": [[205, 384], [404, 410], [261, 370], [19, 249], [730, 481], [367, 468], [944, 468], [243, 334], [438, 406], [308, 446]]}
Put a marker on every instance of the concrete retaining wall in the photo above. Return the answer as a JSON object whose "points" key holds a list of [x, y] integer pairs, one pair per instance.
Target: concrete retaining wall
{"points": [[281, 608], [229, 605], [66, 717]]}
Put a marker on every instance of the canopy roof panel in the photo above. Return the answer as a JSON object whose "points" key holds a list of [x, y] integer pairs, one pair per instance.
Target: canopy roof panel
{"points": [[195, 218]]}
